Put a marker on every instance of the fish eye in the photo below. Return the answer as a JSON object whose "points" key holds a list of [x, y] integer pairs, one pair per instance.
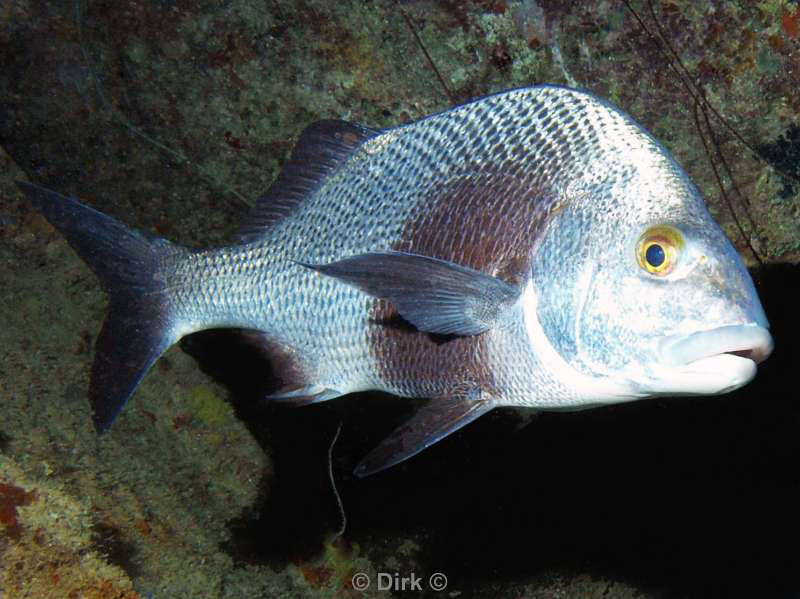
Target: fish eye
{"points": [[658, 249]]}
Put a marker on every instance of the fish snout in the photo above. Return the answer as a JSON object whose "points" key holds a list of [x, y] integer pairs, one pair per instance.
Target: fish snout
{"points": [[710, 362], [748, 341]]}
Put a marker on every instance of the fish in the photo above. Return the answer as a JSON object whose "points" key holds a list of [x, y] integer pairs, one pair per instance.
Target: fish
{"points": [[536, 248]]}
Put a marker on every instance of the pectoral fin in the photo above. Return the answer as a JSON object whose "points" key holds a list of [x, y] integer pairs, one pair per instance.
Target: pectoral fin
{"points": [[434, 295], [431, 423]]}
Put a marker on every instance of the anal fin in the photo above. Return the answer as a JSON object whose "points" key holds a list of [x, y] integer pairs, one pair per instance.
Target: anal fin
{"points": [[430, 424], [295, 385], [301, 396]]}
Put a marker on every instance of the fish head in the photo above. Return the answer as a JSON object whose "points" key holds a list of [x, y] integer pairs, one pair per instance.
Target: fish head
{"points": [[638, 291]]}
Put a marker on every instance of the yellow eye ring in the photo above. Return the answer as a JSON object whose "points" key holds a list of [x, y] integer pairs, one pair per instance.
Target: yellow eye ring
{"points": [[658, 249]]}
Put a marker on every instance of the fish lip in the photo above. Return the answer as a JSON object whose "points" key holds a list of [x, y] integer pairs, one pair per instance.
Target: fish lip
{"points": [[709, 362], [712, 375], [745, 341]]}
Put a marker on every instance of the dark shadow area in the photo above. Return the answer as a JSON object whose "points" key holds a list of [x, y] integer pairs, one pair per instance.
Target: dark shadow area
{"points": [[109, 541], [296, 508], [680, 497]]}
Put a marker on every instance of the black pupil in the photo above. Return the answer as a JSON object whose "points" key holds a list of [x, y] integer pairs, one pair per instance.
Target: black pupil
{"points": [[655, 255]]}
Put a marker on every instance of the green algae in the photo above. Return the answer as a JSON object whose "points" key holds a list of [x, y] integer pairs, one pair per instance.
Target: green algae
{"points": [[208, 406]]}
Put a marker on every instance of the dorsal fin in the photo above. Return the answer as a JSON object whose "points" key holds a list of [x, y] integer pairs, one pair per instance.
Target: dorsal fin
{"points": [[321, 149]]}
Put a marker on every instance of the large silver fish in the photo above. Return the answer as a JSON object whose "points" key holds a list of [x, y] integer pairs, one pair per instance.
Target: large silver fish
{"points": [[535, 248]]}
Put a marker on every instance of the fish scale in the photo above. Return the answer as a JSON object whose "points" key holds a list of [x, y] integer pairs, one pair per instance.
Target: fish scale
{"points": [[494, 254]]}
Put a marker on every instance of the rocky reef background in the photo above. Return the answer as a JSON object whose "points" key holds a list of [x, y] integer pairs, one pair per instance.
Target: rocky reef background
{"points": [[175, 115]]}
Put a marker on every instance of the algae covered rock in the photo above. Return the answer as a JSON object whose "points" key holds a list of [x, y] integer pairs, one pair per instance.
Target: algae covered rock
{"points": [[46, 547]]}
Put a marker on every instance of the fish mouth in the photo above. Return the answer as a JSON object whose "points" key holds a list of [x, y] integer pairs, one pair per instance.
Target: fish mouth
{"points": [[714, 361]]}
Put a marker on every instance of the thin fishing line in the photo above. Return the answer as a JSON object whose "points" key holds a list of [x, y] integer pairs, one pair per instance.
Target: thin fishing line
{"points": [[338, 497]]}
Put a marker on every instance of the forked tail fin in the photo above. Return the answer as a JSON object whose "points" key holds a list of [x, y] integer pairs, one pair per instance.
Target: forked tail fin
{"points": [[139, 325]]}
